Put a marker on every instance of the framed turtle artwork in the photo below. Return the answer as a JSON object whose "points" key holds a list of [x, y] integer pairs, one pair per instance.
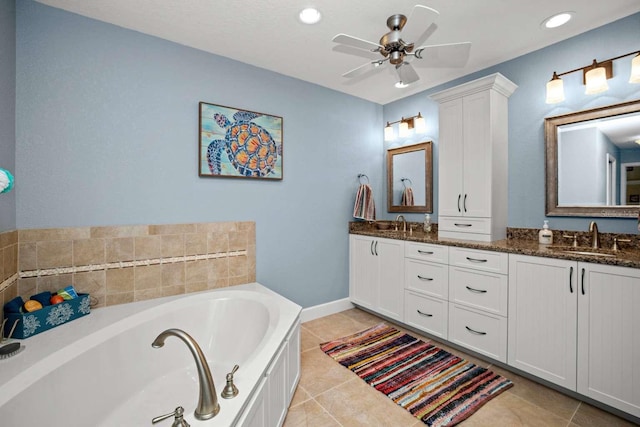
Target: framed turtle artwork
{"points": [[239, 143]]}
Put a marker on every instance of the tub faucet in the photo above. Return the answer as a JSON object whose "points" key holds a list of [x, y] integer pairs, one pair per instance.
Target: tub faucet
{"points": [[404, 223], [208, 406], [595, 236]]}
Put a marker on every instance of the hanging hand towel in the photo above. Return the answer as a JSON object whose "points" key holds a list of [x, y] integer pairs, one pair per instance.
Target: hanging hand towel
{"points": [[365, 207], [407, 197]]}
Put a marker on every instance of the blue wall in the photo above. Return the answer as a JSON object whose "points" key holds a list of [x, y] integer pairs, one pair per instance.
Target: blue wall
{"points": [[107, 130], [527, 110], [7, 108]]}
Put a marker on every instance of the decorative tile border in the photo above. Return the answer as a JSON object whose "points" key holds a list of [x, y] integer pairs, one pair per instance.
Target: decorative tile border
{"points": [[8, 282], [125, 264]]}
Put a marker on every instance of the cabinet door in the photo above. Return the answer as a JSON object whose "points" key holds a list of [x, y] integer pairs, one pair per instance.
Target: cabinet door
{"points": [[363, 271], [542, 318], [390, 254], [609, 335], [450, 158], [476, 198]]}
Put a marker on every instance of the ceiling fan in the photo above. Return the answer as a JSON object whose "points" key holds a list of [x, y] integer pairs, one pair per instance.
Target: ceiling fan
{"points": [[402, 47]]}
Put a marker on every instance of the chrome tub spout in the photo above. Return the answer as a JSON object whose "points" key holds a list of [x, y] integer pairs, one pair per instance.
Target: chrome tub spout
{"points": [[208, 406]]}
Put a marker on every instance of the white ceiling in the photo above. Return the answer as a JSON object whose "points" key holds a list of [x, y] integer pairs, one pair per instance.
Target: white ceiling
{"points": [[267, 34]]}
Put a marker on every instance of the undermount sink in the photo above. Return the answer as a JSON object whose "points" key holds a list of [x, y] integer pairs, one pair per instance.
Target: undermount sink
{"points": [[584, 251]]}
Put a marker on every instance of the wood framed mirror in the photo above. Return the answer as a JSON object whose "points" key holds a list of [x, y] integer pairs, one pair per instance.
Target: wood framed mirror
{"points": [[410, 178], [593, 162]]}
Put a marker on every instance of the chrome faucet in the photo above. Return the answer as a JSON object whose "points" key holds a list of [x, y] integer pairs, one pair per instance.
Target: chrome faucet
{"points": [[404, 223], [208, 406], [595, 236]]}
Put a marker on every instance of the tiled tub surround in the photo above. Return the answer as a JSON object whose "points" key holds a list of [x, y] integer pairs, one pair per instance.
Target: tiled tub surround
{"points": [[121, 264], [522, 241], [8, 265]]}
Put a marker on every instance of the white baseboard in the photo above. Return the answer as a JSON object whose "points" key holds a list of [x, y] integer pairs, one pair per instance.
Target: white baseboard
{"points": [[318, 311]]}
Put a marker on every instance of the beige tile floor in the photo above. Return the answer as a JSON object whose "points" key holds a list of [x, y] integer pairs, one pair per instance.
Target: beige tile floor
{"points": [[331, 395]]}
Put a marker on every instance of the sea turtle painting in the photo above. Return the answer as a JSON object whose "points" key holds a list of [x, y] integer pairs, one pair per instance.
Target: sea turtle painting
{"points": [[249, 147]]}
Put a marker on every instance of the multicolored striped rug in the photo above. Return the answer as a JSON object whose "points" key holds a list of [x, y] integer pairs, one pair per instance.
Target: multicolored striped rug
{"points": [[437, 387]]}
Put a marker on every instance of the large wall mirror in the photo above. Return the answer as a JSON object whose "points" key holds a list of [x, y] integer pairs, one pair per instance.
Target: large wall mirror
{"points": [[410, 178], [593, 162]]}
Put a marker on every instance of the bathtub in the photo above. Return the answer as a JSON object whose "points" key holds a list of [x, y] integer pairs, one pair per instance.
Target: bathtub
{"points": [[101, 370]]}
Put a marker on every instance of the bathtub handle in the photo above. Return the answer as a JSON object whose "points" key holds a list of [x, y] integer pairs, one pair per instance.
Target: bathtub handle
{"points": [[179, 420]]}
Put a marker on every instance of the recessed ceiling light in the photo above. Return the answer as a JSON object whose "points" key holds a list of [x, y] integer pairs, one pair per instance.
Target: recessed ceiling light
{"points": [[401, 84], [309, 16], [557, 20]]}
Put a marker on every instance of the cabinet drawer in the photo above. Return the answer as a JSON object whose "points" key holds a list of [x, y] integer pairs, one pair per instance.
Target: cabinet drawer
{"points": [[495, 262], [479, 289], [464, 225], [426, 252], [428, 278], [425, 313], [478, 331]]}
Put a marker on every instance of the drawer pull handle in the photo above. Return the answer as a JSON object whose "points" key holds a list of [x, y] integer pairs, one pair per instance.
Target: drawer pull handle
{"points": [[424, 314], [425, 252], [477, 291], [475, 332], [425, 278], [459, 224], [476, 260]]}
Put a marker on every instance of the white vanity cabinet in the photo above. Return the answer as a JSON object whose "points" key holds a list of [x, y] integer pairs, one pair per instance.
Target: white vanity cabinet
{"points": [[478, 301], [426, 284], [473, 157], [577, 325], [609, 335], [543, 317], [376, 274]]}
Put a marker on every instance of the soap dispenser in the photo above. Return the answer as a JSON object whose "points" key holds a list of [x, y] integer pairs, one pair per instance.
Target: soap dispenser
{"points": [[427, 223], [545, 236]]}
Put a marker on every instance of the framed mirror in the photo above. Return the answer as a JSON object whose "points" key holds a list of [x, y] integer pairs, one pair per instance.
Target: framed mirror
{"points": [[593, 162], [410, 178]]}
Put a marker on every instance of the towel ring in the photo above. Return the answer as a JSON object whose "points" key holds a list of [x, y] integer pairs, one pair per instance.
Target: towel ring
{"points": [[404, 183], [360, 176]]}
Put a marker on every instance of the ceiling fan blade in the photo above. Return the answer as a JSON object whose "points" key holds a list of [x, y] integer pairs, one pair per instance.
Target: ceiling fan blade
{"points": [[419, 25], [350, 50], [363, 69], [450, 55], [356, 42], [406, 73]]}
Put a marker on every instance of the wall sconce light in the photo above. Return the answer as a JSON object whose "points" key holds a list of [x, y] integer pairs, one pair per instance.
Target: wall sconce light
{"points": [[404, 128], [594, 77]]}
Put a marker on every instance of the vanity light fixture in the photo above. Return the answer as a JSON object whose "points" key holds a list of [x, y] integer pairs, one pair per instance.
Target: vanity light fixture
{"points": [[417, 123], [594, 77]]}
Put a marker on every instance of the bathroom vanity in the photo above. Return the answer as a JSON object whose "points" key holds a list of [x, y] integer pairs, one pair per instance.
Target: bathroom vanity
{"points": [[565, 317]]}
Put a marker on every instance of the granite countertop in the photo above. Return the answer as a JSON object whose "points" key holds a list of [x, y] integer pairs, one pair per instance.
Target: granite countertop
{"points": [[521, 241]]}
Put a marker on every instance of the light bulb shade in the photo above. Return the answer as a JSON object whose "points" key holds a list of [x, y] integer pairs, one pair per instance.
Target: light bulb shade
{"points": [[403, 129], [635, 70], [388, 133], [596, 81], [419, 124], [555, 90]]}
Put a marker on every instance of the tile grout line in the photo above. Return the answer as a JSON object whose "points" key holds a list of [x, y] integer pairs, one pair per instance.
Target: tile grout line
{"points": [[574, 413]]}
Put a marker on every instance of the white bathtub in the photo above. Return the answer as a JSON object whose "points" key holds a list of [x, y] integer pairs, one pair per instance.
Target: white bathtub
{"points": [[100, 370]]}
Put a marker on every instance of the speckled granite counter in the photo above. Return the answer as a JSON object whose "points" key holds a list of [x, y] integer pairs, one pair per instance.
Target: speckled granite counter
{"points": [[521, 241]]}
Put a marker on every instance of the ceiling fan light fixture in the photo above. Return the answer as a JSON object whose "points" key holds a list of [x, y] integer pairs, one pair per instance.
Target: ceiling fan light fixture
{"points": [[310, 16], [557, 20], [401, 85]]}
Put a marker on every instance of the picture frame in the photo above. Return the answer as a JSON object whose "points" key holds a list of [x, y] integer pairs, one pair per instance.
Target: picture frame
{"points": [[236, 143]]}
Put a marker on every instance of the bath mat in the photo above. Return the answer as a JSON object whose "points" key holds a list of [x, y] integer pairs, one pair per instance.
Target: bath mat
{"points": [[434, 385]]}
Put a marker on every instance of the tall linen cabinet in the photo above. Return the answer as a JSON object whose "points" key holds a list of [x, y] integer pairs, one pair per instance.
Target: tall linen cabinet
{"points": [[473, 159]]}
